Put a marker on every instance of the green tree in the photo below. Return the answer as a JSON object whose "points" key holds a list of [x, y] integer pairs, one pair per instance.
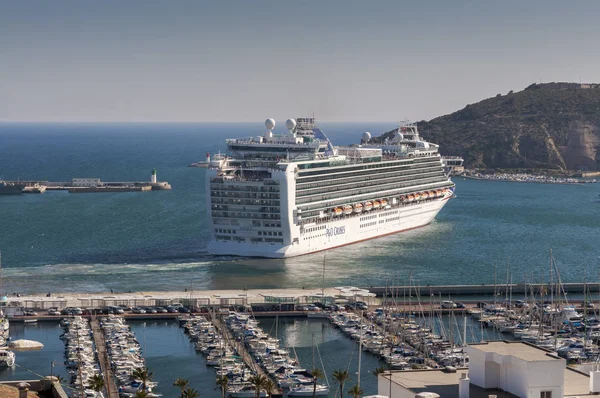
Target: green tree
{"points": [[378, 371], [269, 386], [316, 374], [181, 383], [222, 382], [341, 376], [142, 374], [96, 382], [141, 394], [189, 392], [356, 391], [258, 381]]}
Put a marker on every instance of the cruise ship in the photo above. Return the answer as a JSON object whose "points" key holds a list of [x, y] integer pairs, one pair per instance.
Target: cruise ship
{"points": [[285, 195]]}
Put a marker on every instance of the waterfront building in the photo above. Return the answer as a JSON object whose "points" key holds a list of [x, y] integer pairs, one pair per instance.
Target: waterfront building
{"points": [[501, 369]]}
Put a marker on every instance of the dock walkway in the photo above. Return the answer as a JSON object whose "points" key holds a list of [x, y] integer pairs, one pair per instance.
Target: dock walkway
{"points": [[109, 381], [239, 346], [417, 347], [242, 351]]}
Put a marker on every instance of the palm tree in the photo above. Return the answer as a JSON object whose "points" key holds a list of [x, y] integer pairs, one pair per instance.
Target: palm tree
{"points": [[142, 374], [269, 385], [96, 382], [181, 383], [355, 391], [189, 392], [222, 382], [378, 371], [341, 376], [258, 381], [141, 394], [316, 374]]}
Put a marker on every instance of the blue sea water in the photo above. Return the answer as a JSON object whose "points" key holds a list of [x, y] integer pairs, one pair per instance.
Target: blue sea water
{"points": [[157, 240]]}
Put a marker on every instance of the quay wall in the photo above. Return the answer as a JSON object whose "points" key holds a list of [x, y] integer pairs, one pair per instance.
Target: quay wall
{"points": [[479, 290]]}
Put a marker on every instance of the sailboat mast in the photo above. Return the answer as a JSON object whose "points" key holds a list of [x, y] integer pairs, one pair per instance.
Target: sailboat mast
{"points": [[362, 315], [323, 281]]}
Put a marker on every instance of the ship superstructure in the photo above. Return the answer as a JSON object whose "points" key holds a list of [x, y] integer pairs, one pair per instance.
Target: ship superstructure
{"points": [[284, 195]]}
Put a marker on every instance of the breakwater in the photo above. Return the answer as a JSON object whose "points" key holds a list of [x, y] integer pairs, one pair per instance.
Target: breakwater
{"points": [[481, 290]]}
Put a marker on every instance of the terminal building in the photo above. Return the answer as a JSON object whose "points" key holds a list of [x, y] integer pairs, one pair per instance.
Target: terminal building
{"points": [[499, 369]]}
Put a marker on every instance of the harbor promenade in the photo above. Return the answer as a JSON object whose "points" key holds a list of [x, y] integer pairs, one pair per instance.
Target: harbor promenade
{"points": [[289, 299]]}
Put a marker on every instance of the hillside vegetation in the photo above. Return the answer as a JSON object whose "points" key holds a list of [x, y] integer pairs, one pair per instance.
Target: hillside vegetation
{"points": [[553, 125]]}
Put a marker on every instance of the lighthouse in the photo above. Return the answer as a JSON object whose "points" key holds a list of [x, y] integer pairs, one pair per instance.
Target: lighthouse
{"points": [[153, 177]]}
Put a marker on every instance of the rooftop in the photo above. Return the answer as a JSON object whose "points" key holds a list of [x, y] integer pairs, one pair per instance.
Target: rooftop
{"points": [[446, 384], [519, 350]]}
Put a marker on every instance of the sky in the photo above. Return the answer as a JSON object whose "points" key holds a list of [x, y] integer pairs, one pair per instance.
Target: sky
{"points": [[246, 60]]}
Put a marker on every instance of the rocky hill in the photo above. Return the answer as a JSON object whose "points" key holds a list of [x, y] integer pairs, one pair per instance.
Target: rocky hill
{"points": [[553, 125]]}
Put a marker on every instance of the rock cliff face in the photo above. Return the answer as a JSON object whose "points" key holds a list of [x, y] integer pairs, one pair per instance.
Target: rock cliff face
{"points": [[553, 125]]}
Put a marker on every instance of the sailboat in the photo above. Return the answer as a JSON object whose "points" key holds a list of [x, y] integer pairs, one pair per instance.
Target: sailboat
{"points": [[4, 325], [320, 314], [7, 358], [305, 387]]}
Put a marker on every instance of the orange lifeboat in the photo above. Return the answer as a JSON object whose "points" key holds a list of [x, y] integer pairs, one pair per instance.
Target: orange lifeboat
{"points": [[358, 207], [403, 199], [368, 206], [417, 195], [424, 195], [410, 197], [337, 211], [347, 209], [376, 204], [384, 202], [439, 192], [431, 194]]}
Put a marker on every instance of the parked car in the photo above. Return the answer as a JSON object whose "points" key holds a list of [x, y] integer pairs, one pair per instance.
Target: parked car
{"points": [[53, 311], [183, 310], [521, 304], [161, 310], [150, 310], [138, 310], [29, 313], [587, 304], [171, 309], [447, 304], [461, 305]]}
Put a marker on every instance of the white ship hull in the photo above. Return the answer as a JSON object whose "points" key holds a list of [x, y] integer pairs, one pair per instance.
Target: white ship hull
{"points": [[340, 232]]}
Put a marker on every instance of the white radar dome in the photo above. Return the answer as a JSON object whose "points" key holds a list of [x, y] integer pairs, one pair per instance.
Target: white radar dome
{"points": [[399, 137], [366, 136], [270, 124], [290, 124]]}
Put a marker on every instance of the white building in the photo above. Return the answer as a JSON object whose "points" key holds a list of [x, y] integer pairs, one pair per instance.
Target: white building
{"points": [[501, 368], [86, 182]]}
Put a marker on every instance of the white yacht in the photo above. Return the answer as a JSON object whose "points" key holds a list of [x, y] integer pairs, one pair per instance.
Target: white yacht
{"points": [[7, 358]]}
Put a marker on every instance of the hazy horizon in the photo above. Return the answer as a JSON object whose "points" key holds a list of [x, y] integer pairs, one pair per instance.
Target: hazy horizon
{"points": [[239, 61]]}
